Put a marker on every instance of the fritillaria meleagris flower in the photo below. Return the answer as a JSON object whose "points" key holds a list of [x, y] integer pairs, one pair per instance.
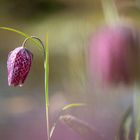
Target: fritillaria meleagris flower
{"points": [[114, 55], [18, 65]]}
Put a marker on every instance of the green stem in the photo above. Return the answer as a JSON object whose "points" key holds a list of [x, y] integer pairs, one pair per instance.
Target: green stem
{"points": [[47, 72], [46, 67]]}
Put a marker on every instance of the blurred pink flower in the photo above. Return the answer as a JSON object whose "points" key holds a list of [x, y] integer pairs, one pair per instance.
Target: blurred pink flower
{"points": [[18, 65], [114, 55]]}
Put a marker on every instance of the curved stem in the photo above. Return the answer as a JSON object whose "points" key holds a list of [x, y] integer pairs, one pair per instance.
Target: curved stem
{"points": [[46, 69], [46, 66], [26, 39]]}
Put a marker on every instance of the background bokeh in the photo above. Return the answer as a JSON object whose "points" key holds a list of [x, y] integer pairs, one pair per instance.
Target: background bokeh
{"points": [[69, 25]]}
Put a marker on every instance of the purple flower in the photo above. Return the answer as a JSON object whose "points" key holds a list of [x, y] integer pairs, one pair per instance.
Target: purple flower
{"points": [[114, 55], [18, 65]]}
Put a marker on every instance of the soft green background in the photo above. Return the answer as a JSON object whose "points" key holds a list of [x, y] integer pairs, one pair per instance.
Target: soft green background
{"points": [[69, 25]]}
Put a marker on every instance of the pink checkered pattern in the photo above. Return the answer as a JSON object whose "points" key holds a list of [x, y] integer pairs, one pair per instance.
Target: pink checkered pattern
{"points": [[18, 65]]}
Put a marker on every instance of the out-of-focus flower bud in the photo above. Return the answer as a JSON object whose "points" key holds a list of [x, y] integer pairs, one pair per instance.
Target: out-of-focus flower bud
{"points": [[18, 65], [114, 55]]}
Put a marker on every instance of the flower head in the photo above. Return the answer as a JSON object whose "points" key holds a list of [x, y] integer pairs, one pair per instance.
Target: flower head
{"points": [[18, 65], [114, 55]]}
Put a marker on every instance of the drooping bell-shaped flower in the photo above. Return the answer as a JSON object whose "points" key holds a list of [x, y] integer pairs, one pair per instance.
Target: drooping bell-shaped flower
{"points": [[18, 65], [114, 55]]}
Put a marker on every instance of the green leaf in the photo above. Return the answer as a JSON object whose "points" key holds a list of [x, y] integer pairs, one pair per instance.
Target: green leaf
{"points": [[23, 34], [73, 105], [59, 115]]}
